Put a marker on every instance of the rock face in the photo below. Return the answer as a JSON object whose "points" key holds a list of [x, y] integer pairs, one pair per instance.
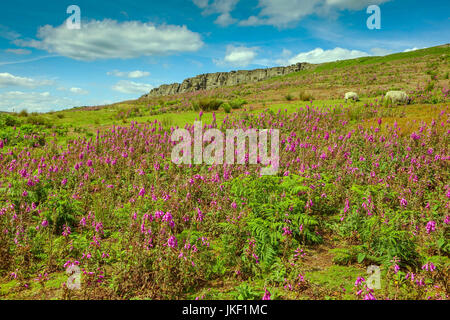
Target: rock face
{"points": [[221, 79]]}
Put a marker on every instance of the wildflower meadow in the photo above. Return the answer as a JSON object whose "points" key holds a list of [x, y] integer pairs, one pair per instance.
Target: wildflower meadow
{"points": [[94, 210]]}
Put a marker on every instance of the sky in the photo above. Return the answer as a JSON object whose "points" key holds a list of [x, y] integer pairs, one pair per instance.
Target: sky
{"points": [[124, 48]]}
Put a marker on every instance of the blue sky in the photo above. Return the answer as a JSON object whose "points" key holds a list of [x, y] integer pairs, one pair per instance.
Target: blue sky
{"points": [[125, 48]]}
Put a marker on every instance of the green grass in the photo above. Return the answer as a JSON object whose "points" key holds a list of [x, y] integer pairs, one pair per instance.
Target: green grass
{"points": [[371, 60], [56, 280], [5, 288], [14, 289], [335, 278], [86, 121]]}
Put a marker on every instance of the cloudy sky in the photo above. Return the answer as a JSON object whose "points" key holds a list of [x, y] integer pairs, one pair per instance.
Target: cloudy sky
{"points": [[125, 48]]}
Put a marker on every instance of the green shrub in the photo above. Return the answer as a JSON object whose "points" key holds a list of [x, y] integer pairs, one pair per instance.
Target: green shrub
{"points": [[23, 113], [237, 103], [305, 96], [38, 121], [171, 103], [64, 211], [380, 241], [269, 197], [430, 86], [289, 97], [226, 107], [195, 106], [246, 292], [135, 112], [207, 104], [8, 120], [432, 74], [343, 257]]}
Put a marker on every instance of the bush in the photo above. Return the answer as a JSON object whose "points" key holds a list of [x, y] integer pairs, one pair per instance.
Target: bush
{"points": [[305, 96], [237, 103], [195, 106], [429, 87], [266, 198], [226, 107], [64, 212], [288, 97], [171, 103], [8, 120], [38, 121], [207, 104], [23, 113], [432, 74]]}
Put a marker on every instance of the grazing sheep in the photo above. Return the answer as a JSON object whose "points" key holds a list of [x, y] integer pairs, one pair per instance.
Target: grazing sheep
{"points": [[351, 95], [397, 97]]}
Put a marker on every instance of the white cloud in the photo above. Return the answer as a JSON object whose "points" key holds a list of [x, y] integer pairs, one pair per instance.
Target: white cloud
{"points": [[223, 7], [412, 49], [195, 62], [27, 60], [9, 80], [132, 75], [201, 3], [286, 53], [285, 13], [138, 74], [251, 21], [319, 55], [7, 33], [32, 101], [78, 91], [380, 51], [284, 57], [353, 4], [281, 13], [216, 6], [117, 73], [238, 56], [265, 62], [225, 19], [131, 87], [18, 51], [109, 39]]}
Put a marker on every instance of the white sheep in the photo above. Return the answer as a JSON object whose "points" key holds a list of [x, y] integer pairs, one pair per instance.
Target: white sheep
{"points": [[351, 95], [397, 97]]}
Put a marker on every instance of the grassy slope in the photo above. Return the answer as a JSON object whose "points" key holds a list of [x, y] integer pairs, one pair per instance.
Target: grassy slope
{"points": [[327, 83]]}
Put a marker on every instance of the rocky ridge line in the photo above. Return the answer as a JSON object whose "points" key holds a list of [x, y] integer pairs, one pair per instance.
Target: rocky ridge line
{"points": [[221, 79]]}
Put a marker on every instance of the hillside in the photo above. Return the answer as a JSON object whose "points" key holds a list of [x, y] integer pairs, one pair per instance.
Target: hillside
{"points": [[359, 184], [224, 79], [422, 73]]}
